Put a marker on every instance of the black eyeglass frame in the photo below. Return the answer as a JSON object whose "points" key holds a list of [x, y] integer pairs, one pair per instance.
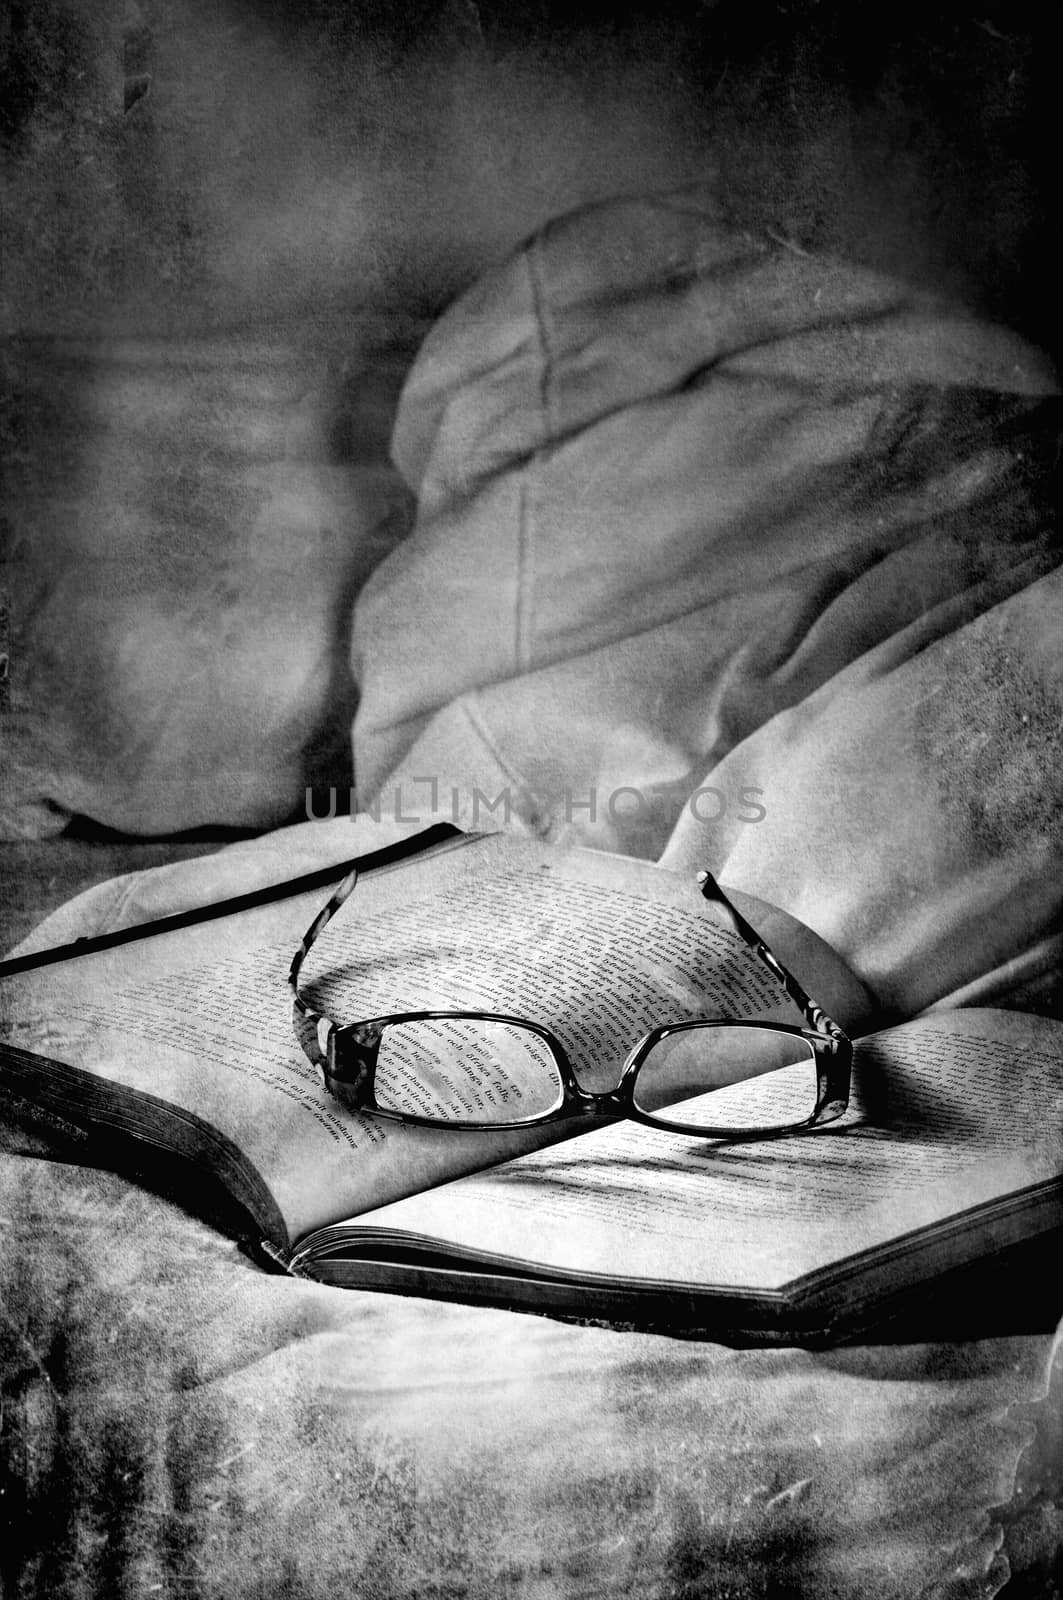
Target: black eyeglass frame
{"points": [[347, 1058]]}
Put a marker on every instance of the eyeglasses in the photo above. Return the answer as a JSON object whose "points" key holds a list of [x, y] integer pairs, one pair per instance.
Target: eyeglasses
{"points": [[712, 1077]]}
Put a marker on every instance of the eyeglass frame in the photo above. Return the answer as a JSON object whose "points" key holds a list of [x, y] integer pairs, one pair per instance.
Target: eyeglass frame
{"points": [[344, 1058]]}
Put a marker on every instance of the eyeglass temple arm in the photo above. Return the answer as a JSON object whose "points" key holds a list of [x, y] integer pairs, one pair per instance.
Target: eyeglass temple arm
{"points": [[310, 937], [814, 1014], [428, 839]]}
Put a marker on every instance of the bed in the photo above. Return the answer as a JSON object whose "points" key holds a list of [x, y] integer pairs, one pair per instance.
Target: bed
{"points": [[176, 1420], [739, 526]]}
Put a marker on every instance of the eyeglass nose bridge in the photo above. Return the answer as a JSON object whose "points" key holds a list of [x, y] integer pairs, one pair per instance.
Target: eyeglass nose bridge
{"points": [[609, 1104]]}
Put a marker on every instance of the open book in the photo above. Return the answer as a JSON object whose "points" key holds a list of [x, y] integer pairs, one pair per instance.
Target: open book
{"points": [[178, 1051]]}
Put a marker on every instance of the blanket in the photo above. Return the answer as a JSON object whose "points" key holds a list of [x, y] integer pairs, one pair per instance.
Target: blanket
{"points": [[178, 1423], [750, 553], [175, 1421]]}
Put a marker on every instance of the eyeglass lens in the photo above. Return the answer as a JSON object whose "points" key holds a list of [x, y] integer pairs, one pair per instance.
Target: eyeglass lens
{"points": [[466, 1069], [704, 1075]]}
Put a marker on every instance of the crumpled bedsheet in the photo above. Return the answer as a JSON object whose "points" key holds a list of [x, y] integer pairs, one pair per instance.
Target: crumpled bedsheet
{"points": [[177, 1422], [753, 555]]}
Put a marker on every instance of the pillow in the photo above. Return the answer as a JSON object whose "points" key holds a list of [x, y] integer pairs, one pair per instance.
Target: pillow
{"points": [[673, 477], [747, 553], [187, 525]]}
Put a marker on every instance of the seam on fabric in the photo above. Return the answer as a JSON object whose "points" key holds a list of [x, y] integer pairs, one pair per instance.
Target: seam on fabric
{"points": [[535, 815], [524, 620], [522, 608]]}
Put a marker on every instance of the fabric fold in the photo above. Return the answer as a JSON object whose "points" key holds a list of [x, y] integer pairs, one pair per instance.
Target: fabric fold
{"points": [[700, 515]]}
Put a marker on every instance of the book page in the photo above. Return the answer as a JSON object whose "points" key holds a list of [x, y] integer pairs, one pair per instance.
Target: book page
{"points": [[947, 1114], [598, 949]]}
